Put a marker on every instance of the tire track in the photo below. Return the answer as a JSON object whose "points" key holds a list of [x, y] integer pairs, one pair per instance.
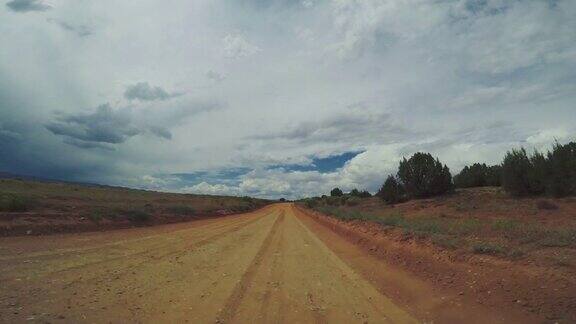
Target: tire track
{"points": [[132, 267], [55, 254], [274, 273], [233, 302], [133, 282]]}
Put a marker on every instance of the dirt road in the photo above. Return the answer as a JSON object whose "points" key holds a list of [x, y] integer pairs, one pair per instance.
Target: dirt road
{"points": [[265, 266], [269, 266]]}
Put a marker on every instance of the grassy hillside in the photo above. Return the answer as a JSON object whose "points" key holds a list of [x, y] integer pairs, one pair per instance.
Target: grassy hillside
{"points": [[33, 207]]}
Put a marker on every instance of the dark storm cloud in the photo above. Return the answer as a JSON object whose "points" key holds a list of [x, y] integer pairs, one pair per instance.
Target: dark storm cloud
{"points": [[27, 5], [88, 145], [144, 92], [8, 134], [102, 126]]}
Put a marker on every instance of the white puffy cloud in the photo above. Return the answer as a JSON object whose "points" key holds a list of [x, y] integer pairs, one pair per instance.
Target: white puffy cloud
{"points": [[211, 189]]}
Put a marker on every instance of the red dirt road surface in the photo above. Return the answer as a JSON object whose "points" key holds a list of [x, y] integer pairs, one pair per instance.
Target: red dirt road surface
{"points": [[275, 265]]}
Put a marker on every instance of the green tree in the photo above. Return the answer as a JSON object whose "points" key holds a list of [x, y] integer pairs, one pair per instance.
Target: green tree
{"points": [[354, 192], [562, 170], [392, 191], [364, 194], [423, 176], [515, 169], [336, 192], [478, 175]]}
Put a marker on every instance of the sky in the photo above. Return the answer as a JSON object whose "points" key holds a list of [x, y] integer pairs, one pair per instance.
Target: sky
{"points": [[278, 98]]}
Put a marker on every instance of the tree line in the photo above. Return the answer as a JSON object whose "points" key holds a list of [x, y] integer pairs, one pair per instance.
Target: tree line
{"points": [[520, 174]]}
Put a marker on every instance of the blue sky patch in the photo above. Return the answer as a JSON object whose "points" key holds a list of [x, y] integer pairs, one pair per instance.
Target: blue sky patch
{"points": [[322, 165]]}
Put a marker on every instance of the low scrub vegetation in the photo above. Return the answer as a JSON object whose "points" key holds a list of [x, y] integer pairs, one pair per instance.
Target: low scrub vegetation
{"points": [[183, 210], [480, 236], [487, 248], [137, 215], [15, 203]]}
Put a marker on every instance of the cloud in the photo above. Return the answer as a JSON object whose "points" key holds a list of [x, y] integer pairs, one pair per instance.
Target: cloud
{"points": [[144, 92], [235, 46], [105, 125], [27, 5], [9, 134], [161, 132], [79, 30], [271, 87], [359, 126], [87, 144], [215, 76], [211, 189], [307, 3]]}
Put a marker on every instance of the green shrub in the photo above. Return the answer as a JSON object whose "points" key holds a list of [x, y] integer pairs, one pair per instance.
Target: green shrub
{"points": [[494, 176], [364, 194], [392, 191], [487, 248], [95, 216], [478, 175], [336, 192], [537, 174], [354, 192], [360, 194], [423, 176], [310, 203], [553, 173], [516, 170], [137, 215], [335, 201], [562, 170]]}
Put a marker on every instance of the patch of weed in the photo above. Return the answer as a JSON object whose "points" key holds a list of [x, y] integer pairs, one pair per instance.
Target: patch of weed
{"points": [[546, 205], [505, 225], [15, 203], [446, 242], [137, 215], [95, 216], [182, 210], [487, 248]]}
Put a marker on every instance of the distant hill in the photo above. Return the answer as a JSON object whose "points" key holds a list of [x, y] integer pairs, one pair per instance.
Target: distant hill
{"points": [[8, 175]]}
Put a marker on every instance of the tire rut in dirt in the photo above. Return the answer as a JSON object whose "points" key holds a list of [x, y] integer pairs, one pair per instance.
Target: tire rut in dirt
{"points": [[152, 259], [235, 298]]}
